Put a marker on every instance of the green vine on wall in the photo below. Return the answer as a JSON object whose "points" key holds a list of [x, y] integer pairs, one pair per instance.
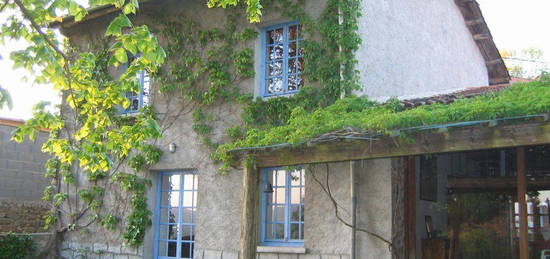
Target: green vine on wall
{"points": [[205, 66]]}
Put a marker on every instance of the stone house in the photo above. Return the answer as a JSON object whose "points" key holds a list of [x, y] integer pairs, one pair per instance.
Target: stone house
{"points": [[412, 50], [21, 181]]}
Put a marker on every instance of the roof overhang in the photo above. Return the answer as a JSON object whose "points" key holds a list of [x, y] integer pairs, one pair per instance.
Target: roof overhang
{"points": [[97, 12], [456, 137], [497, 72]]}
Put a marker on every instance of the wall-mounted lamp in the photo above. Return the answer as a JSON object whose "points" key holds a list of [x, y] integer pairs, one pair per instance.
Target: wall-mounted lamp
{"points": [[268, 188], [172, 147]]}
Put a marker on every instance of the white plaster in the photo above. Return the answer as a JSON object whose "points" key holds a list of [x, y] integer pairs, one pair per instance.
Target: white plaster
{"points": [[416, 48]]}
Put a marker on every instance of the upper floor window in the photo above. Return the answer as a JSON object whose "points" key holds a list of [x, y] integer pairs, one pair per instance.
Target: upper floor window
{"points": [[140, 99], [175, 226], [282, 207], [282, 61]]}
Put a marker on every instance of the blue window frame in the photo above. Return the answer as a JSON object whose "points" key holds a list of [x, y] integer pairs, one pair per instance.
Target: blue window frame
{"points": [[138, 100], [282, 62], [175, 215], [282, 210]]}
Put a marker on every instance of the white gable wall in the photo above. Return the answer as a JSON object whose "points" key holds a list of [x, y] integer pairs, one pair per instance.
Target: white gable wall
{"points": [[416, 48]]}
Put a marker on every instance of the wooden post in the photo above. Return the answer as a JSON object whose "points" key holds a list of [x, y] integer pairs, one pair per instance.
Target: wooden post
{"points": [[353, 194], [410, 208], [250, 211], [522, 186]]}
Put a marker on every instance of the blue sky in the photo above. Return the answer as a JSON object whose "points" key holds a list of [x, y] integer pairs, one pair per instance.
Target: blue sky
{"points": [[515, 24]]}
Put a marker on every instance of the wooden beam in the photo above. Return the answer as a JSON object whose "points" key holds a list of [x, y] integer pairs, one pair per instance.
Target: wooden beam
{"points": [[482, 36], [474, 22], [522, 189], [426, 142], [473, 184], [250, 212], [494, 62]]}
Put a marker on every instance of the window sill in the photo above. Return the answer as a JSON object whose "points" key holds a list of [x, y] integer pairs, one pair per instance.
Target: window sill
{"points": [[281, 249]]}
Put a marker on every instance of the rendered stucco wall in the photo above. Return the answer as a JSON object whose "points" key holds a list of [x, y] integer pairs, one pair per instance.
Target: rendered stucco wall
{"points": [[416, 48], [219, 196]]}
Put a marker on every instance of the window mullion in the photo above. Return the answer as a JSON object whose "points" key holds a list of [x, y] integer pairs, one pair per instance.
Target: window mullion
{"points": [[287, 205], [180, 215], [141, 88], [285, 58]]}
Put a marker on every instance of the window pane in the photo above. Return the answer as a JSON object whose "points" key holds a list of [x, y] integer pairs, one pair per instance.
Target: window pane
{"points": [[269, 213], [294, 231], [188, 198], [280, 195], [295, 195], [275, 52], [169, 215], [187, 250], [279, 213], [170, 199], [299, 68], [302, 231], [293, 32], [188, 215], [275, 36], [292, 49], [187, 233], [275, 85], [168, 232], [302, 213], [275, 68], [294, 82], [171, 182], [295, 213], [292, 66], [281, 177], [269, 231], [188, 181], [295, 177], [167, 248], [278, 231]]}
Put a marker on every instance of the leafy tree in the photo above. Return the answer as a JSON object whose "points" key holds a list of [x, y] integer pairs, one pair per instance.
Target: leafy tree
{"points": [[525, 63], [88, 137], [5, 98]]}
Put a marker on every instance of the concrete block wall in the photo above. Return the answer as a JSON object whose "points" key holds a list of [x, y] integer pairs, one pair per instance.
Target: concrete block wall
{"points": [[21, 166], [21, 182]]}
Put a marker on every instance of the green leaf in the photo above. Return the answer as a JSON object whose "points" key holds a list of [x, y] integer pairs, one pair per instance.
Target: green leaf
{"points": [[121, 55], [116, 26]]}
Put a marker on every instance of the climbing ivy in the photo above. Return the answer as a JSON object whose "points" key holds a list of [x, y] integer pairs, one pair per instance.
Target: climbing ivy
{"points": [[369, 117]]}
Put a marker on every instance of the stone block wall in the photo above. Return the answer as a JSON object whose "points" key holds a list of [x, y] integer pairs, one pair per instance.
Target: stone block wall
{"points": [[21, 216], [71, 250]]}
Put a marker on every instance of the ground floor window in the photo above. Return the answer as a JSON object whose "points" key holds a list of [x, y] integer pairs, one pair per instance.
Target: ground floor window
{"points": [[177, 203], [282, 206]]}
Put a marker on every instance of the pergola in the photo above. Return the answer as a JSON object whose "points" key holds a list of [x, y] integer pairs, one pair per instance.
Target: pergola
{"points": [[515, 132]]}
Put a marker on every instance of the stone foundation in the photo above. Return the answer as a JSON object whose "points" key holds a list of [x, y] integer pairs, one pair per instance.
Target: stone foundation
{"points": [[22, 216]]}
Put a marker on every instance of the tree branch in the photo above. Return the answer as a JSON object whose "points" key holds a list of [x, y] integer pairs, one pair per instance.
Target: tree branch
{"points": [[27, 14], [327, 191]]}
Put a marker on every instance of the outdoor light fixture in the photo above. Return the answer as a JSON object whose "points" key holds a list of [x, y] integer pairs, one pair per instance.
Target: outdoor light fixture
{"points": [[268, 188], [172, 147]]}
